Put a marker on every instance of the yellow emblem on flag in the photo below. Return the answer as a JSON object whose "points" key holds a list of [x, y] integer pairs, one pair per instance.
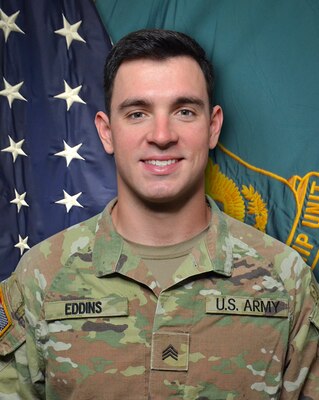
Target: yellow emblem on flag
{"points": [[226, 193], [287, 209], [256, 206]]}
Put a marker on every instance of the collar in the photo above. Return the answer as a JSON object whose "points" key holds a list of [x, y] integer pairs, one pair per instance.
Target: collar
{"points": [[213, 254]]}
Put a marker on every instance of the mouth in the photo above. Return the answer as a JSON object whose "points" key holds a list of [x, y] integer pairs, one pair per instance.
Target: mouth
{"points": [[161, 163]]}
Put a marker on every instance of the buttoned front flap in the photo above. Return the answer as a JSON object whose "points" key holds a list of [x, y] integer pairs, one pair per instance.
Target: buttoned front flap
{"points": [[112, 306], [12, 332]]}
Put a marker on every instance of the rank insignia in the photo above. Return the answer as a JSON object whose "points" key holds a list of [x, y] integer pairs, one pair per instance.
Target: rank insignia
{"points": [[170, 351], [5, 319]]}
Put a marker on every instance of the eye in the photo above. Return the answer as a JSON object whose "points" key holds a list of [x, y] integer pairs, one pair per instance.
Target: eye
{"points": [[136, 115], [186, 113]]}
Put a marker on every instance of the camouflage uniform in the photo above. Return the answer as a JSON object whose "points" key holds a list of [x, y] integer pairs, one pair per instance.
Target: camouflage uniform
{"points": [[238, 321]]}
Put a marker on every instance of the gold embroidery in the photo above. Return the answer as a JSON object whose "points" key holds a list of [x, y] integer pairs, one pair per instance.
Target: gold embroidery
{"points": [[224, 191], [256, 207], [303, 236], [303, 232]]}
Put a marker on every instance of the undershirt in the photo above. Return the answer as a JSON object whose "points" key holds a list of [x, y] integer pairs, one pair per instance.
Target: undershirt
{"points": [[163, 261]]}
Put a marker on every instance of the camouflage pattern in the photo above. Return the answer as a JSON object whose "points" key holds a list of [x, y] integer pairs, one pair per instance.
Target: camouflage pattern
{"points": [[239, 320]]}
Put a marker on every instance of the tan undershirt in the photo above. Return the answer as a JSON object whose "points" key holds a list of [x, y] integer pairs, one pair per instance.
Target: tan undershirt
{"points": [[163, 261]]}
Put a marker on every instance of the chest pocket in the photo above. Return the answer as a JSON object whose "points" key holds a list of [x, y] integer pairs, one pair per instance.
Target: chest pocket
{"points": [[92, 343], [243, 343]]}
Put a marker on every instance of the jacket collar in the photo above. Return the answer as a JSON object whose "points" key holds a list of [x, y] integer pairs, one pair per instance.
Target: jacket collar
{"points": [[213, 254]]}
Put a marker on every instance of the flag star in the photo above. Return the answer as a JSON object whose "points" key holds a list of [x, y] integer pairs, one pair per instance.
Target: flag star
{"points": [[15, 149], [7, 24], [70, 95], [22, 244], [70, 31], [70, 201], [12, 92], [19, 200], [70, 153]]}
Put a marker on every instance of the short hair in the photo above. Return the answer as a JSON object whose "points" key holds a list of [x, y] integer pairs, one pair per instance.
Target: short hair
{"points": [[154, 44]]}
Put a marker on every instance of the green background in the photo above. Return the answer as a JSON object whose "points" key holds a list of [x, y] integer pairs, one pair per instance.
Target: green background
{"points": [[266, 58]]}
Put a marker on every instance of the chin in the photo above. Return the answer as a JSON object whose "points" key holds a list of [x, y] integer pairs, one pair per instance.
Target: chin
{"points": [[165, 201]]}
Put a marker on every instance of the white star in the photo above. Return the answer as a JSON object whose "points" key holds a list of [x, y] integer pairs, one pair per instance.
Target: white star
{"points": [[19, 200], [70, 152], [70, 201], [22, 244], [7, 24], [12, 92], [70, 95], [15, 149], [70, 31]]}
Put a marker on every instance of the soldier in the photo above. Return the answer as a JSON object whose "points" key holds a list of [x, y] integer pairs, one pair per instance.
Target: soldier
{"points": [[162, 295]]}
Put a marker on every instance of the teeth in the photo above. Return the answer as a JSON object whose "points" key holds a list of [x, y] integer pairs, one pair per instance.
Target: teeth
{"points": [[159, 163]]}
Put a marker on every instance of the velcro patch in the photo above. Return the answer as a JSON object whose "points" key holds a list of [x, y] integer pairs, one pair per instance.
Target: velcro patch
{"points": [[112, 306], [5, 319], [257, 306], [170, 351]]}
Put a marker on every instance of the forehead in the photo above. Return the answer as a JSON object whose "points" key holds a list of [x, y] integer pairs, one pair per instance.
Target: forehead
{"points": [[175, 74]]}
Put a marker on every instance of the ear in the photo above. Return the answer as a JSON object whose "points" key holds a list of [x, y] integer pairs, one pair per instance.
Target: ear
{"points": [[103, 126], [216, 122]]}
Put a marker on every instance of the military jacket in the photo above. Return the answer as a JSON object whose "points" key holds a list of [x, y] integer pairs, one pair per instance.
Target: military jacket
{"points": [[86, 320]]}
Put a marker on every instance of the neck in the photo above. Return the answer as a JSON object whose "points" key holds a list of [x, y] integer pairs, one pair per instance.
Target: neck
{"points": [[160, 224]]}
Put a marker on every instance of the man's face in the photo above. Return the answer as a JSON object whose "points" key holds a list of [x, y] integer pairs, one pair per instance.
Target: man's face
{"points": [[160, 129]]}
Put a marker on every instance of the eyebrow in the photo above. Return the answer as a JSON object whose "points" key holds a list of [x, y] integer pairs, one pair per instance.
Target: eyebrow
{"points": [[133, 102], [140, 102], [189, 100]]}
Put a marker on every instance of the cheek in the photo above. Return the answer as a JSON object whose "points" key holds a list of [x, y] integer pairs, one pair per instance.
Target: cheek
{"points": [[198, 144], [127, 139], [123, 144], [200, 153]]}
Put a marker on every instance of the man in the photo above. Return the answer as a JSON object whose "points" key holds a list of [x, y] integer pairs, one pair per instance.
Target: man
{"points": [[161, 296]]}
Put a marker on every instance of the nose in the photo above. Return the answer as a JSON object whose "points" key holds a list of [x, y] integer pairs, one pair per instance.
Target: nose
{"points": [[162, 133]]}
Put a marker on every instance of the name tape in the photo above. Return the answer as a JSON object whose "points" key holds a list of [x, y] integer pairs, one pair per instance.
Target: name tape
{"points": [[247, 306], [86, 308]]}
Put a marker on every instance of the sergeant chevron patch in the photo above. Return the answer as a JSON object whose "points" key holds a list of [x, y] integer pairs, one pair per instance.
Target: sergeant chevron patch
{"points": [[170, 351], [5, 319]]}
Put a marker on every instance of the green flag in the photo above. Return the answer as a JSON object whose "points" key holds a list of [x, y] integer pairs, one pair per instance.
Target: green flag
{"points": [[266, 60]]}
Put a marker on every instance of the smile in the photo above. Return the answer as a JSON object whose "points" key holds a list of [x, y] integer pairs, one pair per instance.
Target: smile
{"points": [[161, 163]]}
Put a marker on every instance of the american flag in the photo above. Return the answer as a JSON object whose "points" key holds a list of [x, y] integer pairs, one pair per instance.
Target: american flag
{"points": [[53, 169]]}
